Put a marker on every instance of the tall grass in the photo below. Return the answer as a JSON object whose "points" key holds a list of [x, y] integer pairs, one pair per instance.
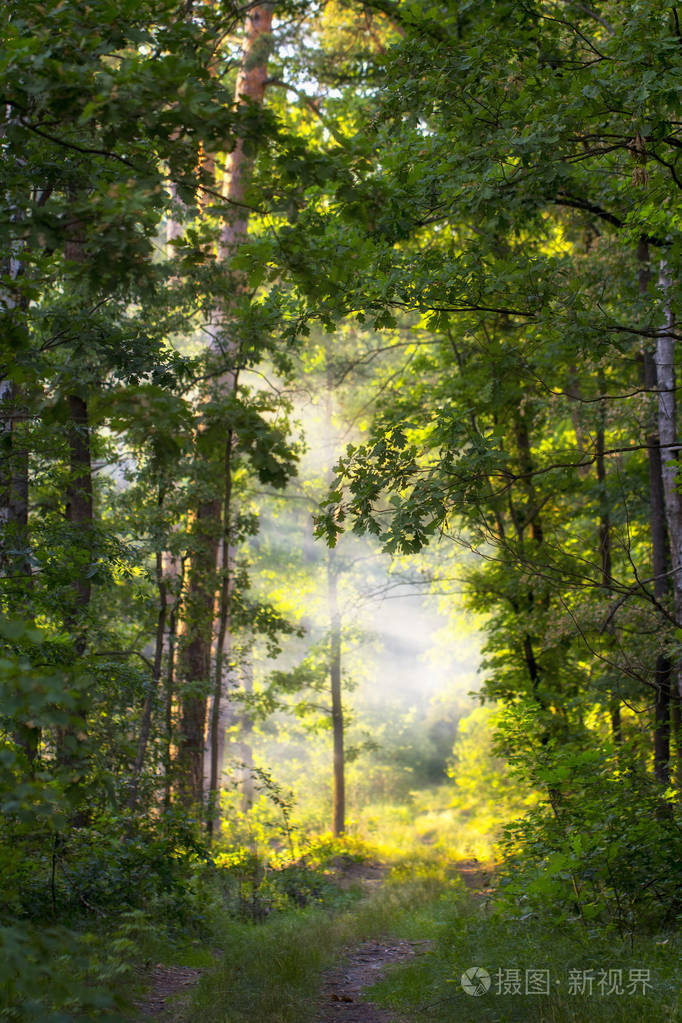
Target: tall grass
{"points": [[272, 972]]}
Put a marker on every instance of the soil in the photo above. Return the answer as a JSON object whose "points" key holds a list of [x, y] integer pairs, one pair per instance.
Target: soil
{"points": [[348, 872], [342, 1000], [476, 876], [166, 983], [342, 993]]}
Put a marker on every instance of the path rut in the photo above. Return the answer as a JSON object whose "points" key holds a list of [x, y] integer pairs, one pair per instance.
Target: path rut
{"points": [[342, 1000]]}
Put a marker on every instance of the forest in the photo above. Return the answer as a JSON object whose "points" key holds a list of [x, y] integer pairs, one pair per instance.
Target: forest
{"points": [[340, 511]]}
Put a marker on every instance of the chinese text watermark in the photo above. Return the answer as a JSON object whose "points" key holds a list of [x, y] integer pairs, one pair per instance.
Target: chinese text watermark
{"points": [[477, 981]]}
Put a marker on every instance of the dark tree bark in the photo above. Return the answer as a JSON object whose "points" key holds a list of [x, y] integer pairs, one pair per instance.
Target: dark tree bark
{"points": [[177, 579], [15, 564], [79, 513], [525, 515], [218, 722], [605, 538], [152, 694]]}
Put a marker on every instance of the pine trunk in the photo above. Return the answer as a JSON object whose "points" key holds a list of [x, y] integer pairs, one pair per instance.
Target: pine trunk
{"points": [[197, 643]]}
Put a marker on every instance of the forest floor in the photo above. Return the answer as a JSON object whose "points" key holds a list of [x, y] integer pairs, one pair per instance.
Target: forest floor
{"points": [[389, 942], [342, 998], [167, 984], [356, 968]]}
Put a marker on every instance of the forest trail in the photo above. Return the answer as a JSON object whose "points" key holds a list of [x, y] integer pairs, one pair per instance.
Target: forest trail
{"points": [[342, 1000], [359, 967], [342, 993], [166, 984]]}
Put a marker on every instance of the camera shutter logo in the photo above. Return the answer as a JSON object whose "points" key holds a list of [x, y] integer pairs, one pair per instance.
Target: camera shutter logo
{"points": [[476, 981]]}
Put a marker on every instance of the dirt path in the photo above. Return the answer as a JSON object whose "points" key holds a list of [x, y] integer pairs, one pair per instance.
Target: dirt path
{"points": [[166, 983], [342, 1000]]}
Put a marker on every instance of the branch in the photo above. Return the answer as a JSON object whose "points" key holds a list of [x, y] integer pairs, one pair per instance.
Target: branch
{"points": [[126, 653], [563, 199]]}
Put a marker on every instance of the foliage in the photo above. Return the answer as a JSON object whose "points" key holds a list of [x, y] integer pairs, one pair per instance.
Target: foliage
{"points": [[474, 199], [582, 852]]}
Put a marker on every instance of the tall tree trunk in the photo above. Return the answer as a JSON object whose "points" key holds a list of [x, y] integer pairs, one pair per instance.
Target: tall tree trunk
{"points": [[605, 538], [667, 434], [194, 654], [339, 786], [219, 716], [196, 646], [663, 667], [79, 514], [659, 545], [246, 730], [15, 563], [79, 511], [177, 579], [14, 560], [522, 517], [152, 694]]}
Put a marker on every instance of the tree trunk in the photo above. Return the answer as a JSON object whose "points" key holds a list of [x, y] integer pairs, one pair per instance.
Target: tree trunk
{"points": [[676, 727], [15, 563], [219, 720], [605, 541], [659, 547], [339, 789], [246, 730], [663, 666], [667, 434], [172, 575], [79, 510], [522, 518], [194, 655], [79, 514], [195, 659], [152, 694]]}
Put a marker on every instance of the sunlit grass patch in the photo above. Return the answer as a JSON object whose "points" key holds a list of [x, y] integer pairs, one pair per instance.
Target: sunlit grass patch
{"points": [[435, 819]]}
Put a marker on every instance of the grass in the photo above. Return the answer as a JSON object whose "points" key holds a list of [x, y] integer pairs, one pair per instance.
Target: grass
{"points": [[271, 972], [473, 932], [431, 820]]}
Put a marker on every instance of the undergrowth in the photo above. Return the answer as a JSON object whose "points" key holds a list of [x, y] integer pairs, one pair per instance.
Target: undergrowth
{"points": [[475, 933], [272, 972]]}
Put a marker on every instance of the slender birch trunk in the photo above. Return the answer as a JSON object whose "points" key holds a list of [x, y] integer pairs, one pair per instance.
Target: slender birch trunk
{"points": [[668, 439], [668, 691], [659, 548]]}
